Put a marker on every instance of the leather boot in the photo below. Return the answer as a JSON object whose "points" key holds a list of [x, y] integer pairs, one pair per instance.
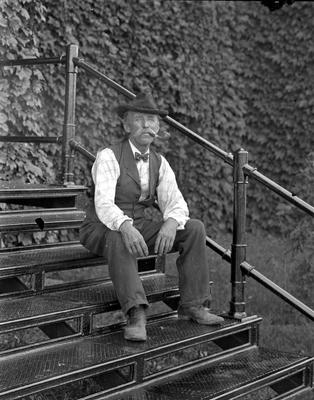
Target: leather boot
{"points": [[199, 314], [135, 329]]}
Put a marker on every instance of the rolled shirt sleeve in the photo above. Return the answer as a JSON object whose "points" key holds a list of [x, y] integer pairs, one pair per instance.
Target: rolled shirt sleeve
{"points": [[105, 173], [170, 199]]}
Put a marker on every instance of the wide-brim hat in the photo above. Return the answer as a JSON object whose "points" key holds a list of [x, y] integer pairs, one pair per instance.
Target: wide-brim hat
{"points": [[143, 103]]}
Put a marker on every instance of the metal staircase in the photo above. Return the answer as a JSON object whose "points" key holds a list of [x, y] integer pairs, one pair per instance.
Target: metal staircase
{"points": [[180, 359], [72, 345]]}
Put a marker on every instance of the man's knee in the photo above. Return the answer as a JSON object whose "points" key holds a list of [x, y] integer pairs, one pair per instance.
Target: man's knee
{"points": [[195, 227], [93, 237], [114, 238]]}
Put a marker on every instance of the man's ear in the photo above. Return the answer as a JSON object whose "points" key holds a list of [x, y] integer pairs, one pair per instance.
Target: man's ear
{"points": [[125, 125]]}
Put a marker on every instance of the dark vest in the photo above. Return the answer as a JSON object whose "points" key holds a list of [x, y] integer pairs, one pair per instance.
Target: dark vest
{"points": [[128, 189]]}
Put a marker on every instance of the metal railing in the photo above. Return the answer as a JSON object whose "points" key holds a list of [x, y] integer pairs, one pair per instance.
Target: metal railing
{"points": [[64, 59], [241, 170], [82, 150], [251, 271], [225, 156], [31, 139], [32, 61], [281, 191]]}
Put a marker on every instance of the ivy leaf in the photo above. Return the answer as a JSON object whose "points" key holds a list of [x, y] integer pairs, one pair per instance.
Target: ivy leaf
{"points": [[24, 73]]}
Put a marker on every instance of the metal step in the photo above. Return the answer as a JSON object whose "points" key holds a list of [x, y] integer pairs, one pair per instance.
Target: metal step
{"points": [[54, 257], [47, 219], [82, 303], [46, 258], [50, 196], [239, 376], [53, 365]]}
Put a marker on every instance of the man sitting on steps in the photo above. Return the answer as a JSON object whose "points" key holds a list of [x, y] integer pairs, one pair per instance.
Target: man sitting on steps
{"points": [[128, 177]]}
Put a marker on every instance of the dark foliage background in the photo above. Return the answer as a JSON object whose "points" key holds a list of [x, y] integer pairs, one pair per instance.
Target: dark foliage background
{"points": [[234, 72]]}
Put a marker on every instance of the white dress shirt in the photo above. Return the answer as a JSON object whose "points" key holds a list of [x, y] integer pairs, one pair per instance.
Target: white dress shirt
{"points": [[105, 173]]}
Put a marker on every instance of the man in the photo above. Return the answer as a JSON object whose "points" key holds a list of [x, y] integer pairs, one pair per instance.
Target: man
{"points": [[128, 177]]}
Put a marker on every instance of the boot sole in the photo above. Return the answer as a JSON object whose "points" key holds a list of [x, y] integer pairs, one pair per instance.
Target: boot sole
{"points": [[135, 338], [199, 321]]}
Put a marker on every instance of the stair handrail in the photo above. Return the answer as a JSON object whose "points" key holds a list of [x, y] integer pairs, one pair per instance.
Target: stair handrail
{"points": [[25, 62], [251, 271], [75, 145], [241, 171], [32, 61], [225, 156]]}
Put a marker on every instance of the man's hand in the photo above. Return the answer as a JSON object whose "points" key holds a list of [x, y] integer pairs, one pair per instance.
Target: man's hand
{"points": [[133, 240], [165, 238]]}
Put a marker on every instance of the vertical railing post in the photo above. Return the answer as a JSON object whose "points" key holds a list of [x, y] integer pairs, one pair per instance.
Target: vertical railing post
{"points": [[238, 247], [69, 115]]}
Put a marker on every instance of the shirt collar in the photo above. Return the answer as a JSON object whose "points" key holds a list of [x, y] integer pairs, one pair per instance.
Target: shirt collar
{"points": [[135, 149]]}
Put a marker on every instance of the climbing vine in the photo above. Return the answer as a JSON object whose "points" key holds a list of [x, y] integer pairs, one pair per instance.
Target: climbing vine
{"points": [[234, 72], [21, 93], [277, 83]]}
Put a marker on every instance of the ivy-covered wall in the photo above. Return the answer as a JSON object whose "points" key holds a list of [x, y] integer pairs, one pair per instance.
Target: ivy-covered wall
{"points": [[21, 100], [276, 54], [234, 72]]}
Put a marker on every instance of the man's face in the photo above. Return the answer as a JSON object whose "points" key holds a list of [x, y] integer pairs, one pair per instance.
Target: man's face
{"points": [[141, 128]]}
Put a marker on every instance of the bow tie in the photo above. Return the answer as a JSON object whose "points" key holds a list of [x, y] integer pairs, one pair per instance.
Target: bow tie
{"points": [[139, 156]]}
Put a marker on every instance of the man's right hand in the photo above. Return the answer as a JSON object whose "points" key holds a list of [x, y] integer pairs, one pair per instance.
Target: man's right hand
{"points": [[133, 240]]}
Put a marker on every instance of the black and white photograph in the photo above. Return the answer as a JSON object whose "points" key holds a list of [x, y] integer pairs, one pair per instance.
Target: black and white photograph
{"points": [[156, 200]]}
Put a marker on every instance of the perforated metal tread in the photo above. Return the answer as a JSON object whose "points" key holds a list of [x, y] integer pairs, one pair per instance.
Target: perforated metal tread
{"points": [[22, 220], [16, 190], [47, 258], [237, 373], [73, 359], [71, 302]]}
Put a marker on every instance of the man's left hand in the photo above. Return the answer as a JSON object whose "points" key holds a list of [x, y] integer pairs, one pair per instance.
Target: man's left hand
{"points": [[165, 238]]}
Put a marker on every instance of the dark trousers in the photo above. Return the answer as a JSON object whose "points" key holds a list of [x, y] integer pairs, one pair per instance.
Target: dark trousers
{"points": [[192, 265]]}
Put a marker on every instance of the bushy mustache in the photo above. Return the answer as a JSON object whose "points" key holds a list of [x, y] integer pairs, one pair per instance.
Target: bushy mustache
{"points": [[163, 136], [151, 132]]}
